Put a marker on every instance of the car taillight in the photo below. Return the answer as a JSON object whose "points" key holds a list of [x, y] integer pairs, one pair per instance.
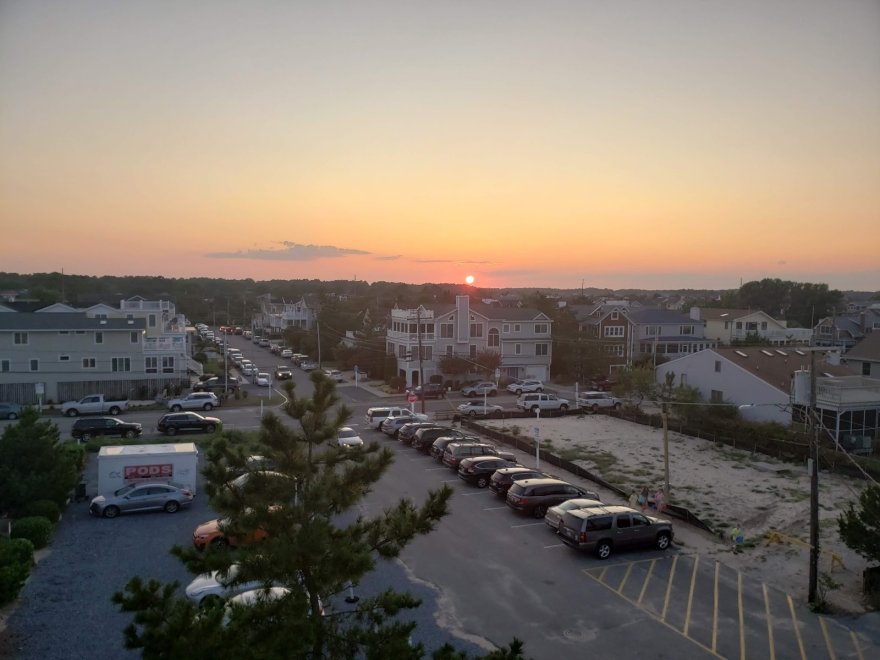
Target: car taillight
{"points": [[186, 493], [582, 537]]}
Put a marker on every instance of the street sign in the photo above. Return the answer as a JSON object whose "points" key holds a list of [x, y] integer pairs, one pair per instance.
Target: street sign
{"points": [[412, 398]]}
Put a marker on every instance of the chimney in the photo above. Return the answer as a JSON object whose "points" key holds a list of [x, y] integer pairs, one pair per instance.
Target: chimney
{"points": [[695, 313]]}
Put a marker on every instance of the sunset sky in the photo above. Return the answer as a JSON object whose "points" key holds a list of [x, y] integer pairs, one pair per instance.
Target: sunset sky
{"points": [[655, 144]]}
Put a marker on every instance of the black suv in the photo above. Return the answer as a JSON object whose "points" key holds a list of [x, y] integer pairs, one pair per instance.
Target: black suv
{"points": [[456, 451], [533, 496], [424, 438], [406, 432], [430, 391], [504, 478], [603, 529], [89, 427], [182, 422], [479, 469]]}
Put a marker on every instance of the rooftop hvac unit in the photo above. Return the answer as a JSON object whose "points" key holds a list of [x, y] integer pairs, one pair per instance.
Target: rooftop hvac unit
{"points": [[800, 387]]}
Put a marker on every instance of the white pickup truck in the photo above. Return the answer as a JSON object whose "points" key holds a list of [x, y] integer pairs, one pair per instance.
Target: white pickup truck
{"points": [[94, 404]]}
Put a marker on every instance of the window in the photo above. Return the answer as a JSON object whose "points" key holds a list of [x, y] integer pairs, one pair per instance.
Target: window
{"points": [[687, 329], [614, 350], [494, 338], [35, 364], [4, 365], [101, 316], [752, 326], [151, 320], [716, 396], [64, 332], [623, 522], [476, 329], [598, 524], [540, 328], [447, 330], [473, 351], [866, 368], [19, 338], [401, 351], [824, 329], [64, 358], [614, 331], [99, 337], [726, 325], [168, 365], [448, 349], [505, 328], [88, 363], [718, 366], [427, 352], [739, 325], [151, 365], [120, 364], [517, 349], [652, 330], [541, 349], [615, 315], [516, 327], [134, 337], [79, 332]]}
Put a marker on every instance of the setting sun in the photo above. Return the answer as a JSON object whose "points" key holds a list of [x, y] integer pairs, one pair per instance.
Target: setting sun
{"points": [[469, 279]]}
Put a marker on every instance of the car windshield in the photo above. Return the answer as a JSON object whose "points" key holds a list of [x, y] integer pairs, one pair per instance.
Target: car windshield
{"points": [[125, 490], [347, 433]]}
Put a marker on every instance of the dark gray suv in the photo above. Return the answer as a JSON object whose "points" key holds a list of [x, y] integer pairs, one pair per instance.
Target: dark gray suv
{"points": [[606, 529], [533, 496]]}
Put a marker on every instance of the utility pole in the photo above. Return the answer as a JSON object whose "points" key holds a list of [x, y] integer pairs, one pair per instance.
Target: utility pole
{"points": [[421, 371], [318, 327], [814, 485]]}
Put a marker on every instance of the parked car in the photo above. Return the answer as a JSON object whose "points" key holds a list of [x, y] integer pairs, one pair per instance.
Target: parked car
{"points": [[603, 383], [89, 427], [94, 404], [218, 586], [213, 532], [476, 408], [439, 445], [391, 425], [334, 375], [424, 438], [375, 416], [504, 478], [10, 411], [593, 401], [429, 391], [536, 401], [521, 386], [554, 514], [348, 437], [248, 368], [217, 384], [183, 422], [480, 389], [478, 470], [604, 530], [308, 365], [283, 372], [455, 452], [406, 432], [535, 496], [195, 401], [263, 379], [141, 497]]}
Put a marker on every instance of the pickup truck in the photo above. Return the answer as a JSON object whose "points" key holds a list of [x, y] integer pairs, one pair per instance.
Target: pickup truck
{"points": [[94, 404]]}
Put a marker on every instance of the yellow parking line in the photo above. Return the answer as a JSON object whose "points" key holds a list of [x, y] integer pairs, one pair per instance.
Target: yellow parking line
{"points": [[828, 645], [669, 587], [855, 641], [742, 628], [602, 575], [645, 584], [715, 611], [797, 631], [625, 578], [687, 616], [769, 623]]}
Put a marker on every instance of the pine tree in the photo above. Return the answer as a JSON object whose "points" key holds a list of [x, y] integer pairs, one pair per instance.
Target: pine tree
{"points": [[296, 493]]}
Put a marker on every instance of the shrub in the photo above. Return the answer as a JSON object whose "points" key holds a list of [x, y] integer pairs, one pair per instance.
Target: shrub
{"points": [[43, 508], [35, 529], [76, 452], [16, 559]]}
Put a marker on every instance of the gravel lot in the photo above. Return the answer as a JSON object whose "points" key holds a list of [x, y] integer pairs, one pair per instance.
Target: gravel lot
{"points": [[65, 611]]}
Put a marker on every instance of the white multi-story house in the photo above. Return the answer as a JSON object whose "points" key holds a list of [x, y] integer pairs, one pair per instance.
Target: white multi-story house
{"points": [[727, 325], [276, 317], [59, 352], [521, 336]]}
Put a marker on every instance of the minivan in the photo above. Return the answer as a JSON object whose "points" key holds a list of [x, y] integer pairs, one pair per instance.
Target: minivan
{"points": [[605, 529]]}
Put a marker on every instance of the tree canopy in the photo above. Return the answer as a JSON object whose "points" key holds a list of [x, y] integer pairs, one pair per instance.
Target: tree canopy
{"points": [[860, 526]]}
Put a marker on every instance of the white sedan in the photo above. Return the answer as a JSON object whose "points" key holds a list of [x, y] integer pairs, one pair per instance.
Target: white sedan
{"points": [[348, 437], [474, 408], [263, 379], [213, 586], [526, 386]]}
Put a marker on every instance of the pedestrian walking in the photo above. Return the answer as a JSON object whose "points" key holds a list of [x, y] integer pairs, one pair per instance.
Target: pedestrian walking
{"points": [[643, 499], [660, 500], [633, 499], [737, 537]]}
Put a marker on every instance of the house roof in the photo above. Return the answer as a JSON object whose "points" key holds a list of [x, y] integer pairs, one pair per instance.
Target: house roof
{"points": [[867, 349], [24, 321], [777, 365], [723, 314], [492, 312], [656, 315]]}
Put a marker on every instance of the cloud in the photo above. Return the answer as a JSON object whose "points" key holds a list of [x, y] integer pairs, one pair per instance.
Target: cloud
{"points": [[390, 257], [447, 261], [291, 252]]}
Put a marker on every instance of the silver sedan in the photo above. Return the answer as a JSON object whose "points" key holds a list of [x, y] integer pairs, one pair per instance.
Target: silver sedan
{"points": [[141, 497]]}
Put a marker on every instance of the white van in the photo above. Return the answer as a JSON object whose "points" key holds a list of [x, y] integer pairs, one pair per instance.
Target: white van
{"points": [[375, 416]]}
